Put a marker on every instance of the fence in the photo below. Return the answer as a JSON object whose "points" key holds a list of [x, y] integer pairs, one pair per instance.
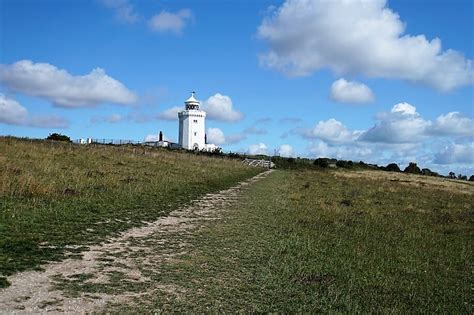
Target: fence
{"points": [[259, 163], [106, 141]]}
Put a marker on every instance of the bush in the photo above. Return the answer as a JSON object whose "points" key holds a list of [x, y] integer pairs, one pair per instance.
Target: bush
{"points": [[428, 172], [58, 137], [321, 162], [344, 164], [392, 167], [412, 168], [471, 179]]}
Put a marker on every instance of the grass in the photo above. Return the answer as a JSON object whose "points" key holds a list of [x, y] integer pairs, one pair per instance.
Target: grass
{"points": [[314, 241], [58, 198]]}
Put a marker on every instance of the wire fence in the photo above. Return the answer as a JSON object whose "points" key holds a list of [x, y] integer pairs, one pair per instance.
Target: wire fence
{"points": [[107, 141]]}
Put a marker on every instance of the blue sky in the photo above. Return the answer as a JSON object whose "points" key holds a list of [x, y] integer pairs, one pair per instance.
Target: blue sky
{"points": [[379, 81]]}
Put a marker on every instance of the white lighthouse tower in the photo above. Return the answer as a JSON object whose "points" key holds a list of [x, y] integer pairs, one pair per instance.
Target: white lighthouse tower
{"points": [[192, 134]]}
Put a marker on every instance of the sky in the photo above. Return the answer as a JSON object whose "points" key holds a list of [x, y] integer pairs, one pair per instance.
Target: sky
{"points": [[377, 81]]}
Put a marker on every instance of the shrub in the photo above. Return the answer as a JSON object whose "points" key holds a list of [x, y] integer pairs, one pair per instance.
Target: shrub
{"points": [[344, 164], [58, 137], [412, 168], [471, 179], [321, 162], [428, 172], [392, 167]]}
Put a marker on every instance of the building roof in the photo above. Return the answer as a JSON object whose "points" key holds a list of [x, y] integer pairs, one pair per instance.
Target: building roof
{"points": [[192, 100]]}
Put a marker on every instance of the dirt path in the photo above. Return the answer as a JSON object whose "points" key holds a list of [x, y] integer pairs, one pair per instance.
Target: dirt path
{"points": [[119, 269]]}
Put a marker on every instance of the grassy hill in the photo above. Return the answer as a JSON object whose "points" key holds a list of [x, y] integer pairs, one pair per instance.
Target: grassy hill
{"points": [[55, 196], [299, 240]]}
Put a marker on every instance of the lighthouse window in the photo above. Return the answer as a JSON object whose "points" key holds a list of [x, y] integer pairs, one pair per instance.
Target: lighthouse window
{"points": [[195, 120], [195, 133]]}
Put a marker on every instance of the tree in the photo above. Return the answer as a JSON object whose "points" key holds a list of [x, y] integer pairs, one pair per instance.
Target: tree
{"points": [[58, 137], [452, 175], [471, 179], [321, 162], [412, 168], [392, 167]]}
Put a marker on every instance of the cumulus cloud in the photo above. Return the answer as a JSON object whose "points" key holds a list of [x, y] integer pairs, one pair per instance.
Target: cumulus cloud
{"points": [[453, 123], [353, 152], [259, 148], [456, 153], [331, 131], [13, 113], [220, 107], [63, 89], [286, 150], [351, 92], [170, 22], [357, 37], [170, 113], [124, 10], [217, 136], [402, 125]]}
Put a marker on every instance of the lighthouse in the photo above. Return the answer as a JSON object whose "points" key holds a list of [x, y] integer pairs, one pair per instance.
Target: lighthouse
{"points": [[192, 134]]}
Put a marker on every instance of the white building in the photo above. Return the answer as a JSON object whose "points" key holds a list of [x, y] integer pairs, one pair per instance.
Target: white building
{"points": [[192, 129]]}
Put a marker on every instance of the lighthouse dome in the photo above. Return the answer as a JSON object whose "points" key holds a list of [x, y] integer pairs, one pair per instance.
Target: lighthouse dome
{"points": [[192, 102]]}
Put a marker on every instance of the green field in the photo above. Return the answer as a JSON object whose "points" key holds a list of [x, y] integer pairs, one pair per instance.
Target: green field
{"points": [[302, 240], [56, 196], [314, 241]]}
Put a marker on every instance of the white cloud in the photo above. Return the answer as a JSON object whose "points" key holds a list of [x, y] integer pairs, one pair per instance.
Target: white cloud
{"points": [[170, 22], [220, 107], [217, 136], [170, 113], [321, 149], [286, 150], [63, 89], [357, 37], [12, 113], [402, 125], [259, 148], [453, 123], [217, 107], [404, 109], [456, 153], [331, 131], [124, 11], [351, 92]]}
